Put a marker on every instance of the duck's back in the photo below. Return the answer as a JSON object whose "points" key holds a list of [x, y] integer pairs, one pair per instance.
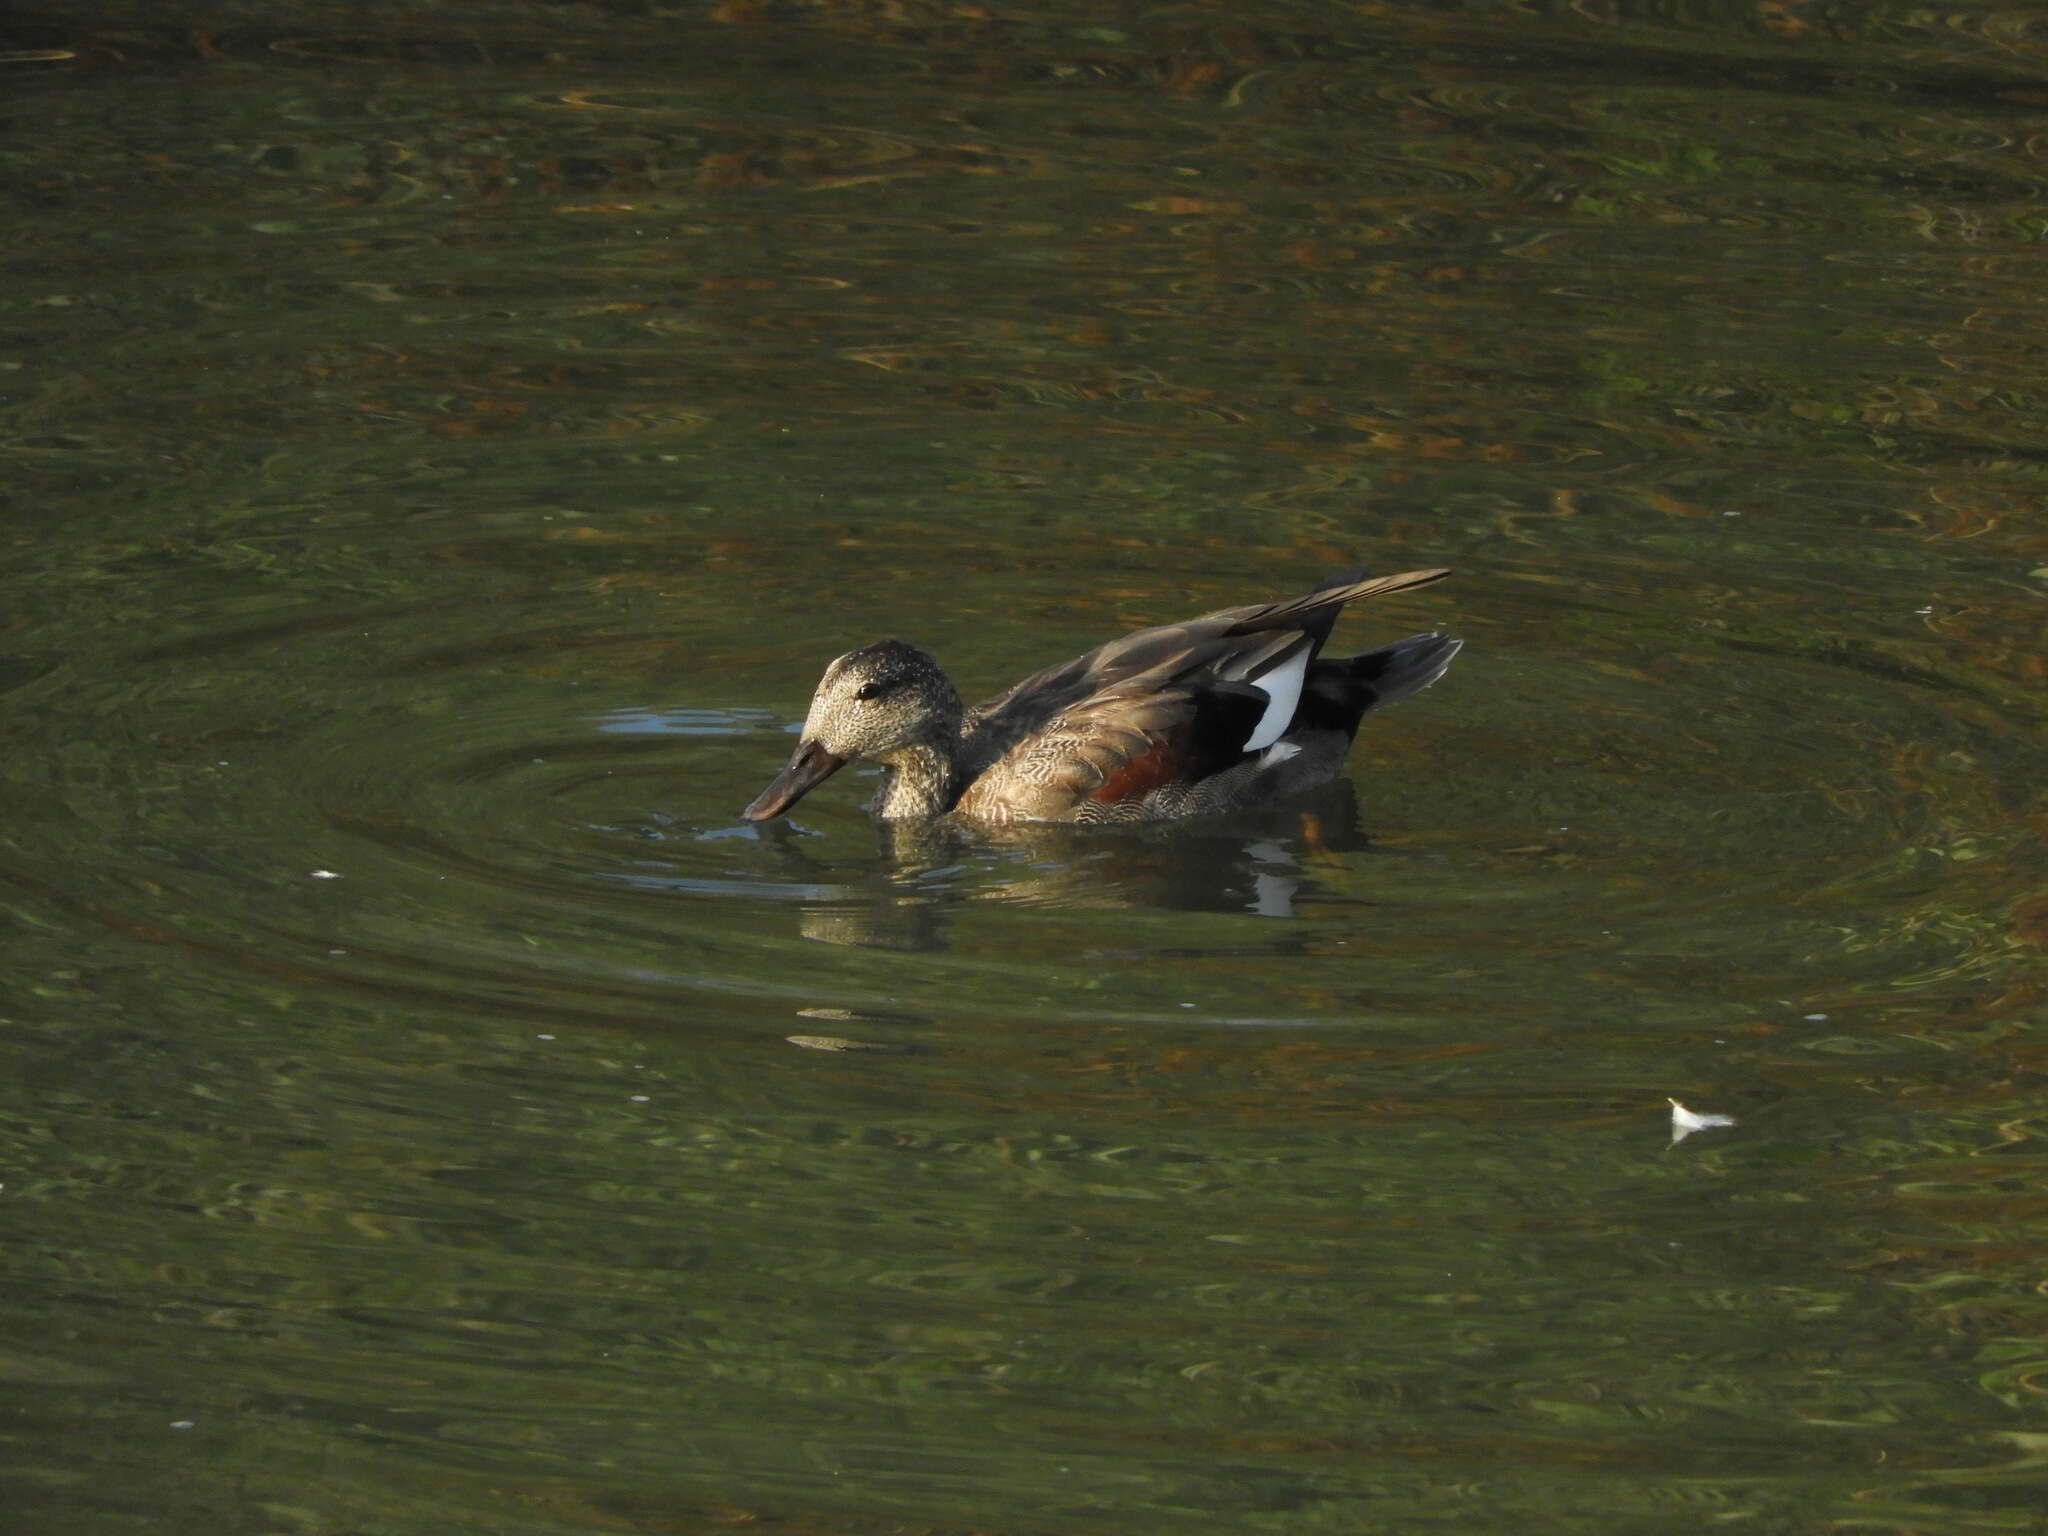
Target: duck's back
{"points": [[1176, 720]]}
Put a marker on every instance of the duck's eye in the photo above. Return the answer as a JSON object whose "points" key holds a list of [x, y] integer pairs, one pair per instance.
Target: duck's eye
{"points": [[868, 691]]}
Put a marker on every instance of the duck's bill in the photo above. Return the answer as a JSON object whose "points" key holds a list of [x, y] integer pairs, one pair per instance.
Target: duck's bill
{"points": [[811, 766]]}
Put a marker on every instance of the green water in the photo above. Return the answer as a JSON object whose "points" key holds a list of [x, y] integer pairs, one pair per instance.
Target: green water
{"points": [[443, 444]]}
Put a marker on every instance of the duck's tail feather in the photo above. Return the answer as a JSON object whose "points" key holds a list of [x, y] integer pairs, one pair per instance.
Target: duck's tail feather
{"points": [[1341, 692], [1408, 666]]}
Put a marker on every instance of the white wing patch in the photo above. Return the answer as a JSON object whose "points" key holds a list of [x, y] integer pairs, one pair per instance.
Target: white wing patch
{"points": [[1283, 686], [1279, 752]]}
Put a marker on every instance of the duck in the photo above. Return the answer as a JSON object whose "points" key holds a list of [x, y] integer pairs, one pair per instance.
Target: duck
{"points": [[1215, 714]]}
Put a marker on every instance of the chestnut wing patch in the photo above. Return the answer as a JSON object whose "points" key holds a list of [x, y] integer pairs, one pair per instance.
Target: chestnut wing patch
{"points": [[1166, 763], [1205, 735]]}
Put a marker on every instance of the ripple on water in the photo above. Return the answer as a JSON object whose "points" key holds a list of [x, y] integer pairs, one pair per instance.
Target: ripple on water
{"points": [[570, 842]]}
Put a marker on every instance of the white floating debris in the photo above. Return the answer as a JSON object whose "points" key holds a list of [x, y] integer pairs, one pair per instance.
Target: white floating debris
{"points": [[1684, 1122], [1816, 1018], [322, 874], [543, 1037]]}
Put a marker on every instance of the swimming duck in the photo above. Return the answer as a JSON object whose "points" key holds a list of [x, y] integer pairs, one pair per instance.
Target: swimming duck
{"points": [[1216, 713]]}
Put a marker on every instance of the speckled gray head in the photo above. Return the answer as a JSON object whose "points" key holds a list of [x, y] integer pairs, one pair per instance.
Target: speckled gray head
{"points": [[874, 703]]}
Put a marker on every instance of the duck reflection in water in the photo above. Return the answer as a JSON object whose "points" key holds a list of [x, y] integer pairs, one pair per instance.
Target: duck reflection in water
{"points": [[1258, 862]]}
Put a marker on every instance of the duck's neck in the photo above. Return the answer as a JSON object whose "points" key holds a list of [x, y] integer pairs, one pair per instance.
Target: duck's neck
{"points": [[917, 781]]}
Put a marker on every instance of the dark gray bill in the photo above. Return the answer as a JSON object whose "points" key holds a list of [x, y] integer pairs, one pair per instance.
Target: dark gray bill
{"points": [[810, 766]]}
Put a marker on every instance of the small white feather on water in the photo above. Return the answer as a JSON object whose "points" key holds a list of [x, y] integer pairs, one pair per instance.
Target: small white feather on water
{"points": [[1684, 1122]]}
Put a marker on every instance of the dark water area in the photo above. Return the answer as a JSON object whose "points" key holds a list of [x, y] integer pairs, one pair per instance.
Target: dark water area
{"points": [[443, 443]]}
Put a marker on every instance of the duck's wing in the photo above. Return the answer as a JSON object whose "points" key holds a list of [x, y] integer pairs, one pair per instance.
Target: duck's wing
{"points": [[1316, 610], [1264, 647], [1117, 747]]}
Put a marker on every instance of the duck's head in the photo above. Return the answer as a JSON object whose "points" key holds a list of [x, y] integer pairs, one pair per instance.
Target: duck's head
{"points": [[875, 703]]}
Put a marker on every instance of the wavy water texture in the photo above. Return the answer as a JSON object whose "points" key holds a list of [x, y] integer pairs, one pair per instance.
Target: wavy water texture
{"points": [[441, 452]]}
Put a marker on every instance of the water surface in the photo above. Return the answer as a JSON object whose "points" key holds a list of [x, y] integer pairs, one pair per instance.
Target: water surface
{"points": [[442, 451]]}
